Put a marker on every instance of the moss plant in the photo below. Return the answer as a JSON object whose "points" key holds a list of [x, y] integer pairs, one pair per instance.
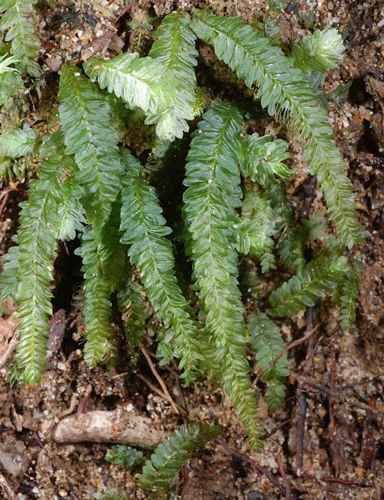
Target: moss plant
{"points": [[90, 186]]}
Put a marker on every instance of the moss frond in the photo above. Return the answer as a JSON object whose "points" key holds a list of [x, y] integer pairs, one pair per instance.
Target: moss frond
{"points": [[97, 302], [40, 224], [308, 286], [17, 142], [319, 51], [141, 82], [266, 341], [212, 180], [262, 159], [284, 91], [16, 21], [259, 224], [85, 118], [145, 232], [171, 455], [175, 48]]}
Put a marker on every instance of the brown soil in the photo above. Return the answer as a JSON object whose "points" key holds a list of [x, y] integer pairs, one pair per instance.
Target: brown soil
{"points": [[343, 440]]}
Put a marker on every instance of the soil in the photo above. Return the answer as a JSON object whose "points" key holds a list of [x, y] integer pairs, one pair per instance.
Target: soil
{"points": [[335, 403]]}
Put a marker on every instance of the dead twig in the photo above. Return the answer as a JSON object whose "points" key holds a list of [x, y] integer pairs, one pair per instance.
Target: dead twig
{"points": [[311, 342], [344, 482], [300, 430], [295, 343], [369, 188], [306, 381], [8, 492], [17, 419], [364, 406], [97, 45], [179, 386], [5, 198], [122, 13], [63, 414], [273, 431], [118, 426], [255, 465], [369, 444], [157, 390], [310, 190], [7, 402], [363, 382], [302, 398], [175, 373], [337, 393], [284, 476], [84, 400], [332, 427], [164, 367], [160, 380], [70, 409], [10, 348], [185, 481], [119, 375]]}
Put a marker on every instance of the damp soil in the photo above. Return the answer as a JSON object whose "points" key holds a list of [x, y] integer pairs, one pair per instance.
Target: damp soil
{"points": [[327, 441]]}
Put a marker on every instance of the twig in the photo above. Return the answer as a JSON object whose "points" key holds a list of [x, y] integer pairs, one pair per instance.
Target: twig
{"points": [[338, 480], [175, 373], [70, 409], [369, 446], [17, 419], [300, 430], [273, 431], [119, 375], [336, 393], [122, 13], [309, 188], [284, 476], [311, 344], [364, 406], [310, 383], [255, 465], [65, 413], [151, 386], [10, 348], [157, 390], [179, 386], [164, 367], [6, 489], [328, 497], [295, 343], [96, 45], [332, 427], [160, 380], [84, 400], [344, 482], [4, 201], [364, 382], [184, 482], [118, 426], [7, 402], [302, 398], [369, 188]]}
